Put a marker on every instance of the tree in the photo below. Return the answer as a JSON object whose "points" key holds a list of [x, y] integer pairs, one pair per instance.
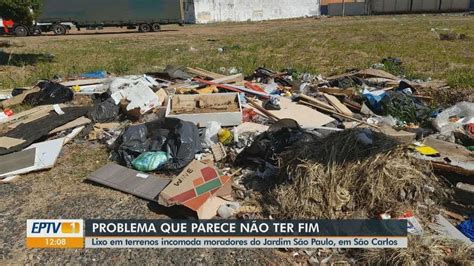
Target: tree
{"points": [[20, 11]]}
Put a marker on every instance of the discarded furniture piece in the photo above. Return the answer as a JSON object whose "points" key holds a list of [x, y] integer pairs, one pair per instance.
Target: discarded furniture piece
{"points": [[224, 108]]}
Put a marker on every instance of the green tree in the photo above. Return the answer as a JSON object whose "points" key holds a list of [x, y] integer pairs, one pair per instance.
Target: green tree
{"points": [[20, 10]]}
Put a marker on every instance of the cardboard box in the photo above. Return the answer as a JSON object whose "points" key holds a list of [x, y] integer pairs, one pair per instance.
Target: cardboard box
{"points": [[199, 187]]}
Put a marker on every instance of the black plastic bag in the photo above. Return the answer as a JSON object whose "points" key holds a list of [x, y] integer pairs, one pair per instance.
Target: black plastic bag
{"points": [[267, 145], [105, 111], [50, 93], [179, 138]]}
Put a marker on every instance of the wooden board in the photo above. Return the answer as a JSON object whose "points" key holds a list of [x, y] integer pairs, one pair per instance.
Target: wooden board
{"points": [[83, 82], [230, 79], [306, 116], [17, 161], [338, 91], [341, 108], [7, 142], [74, 123], [28, 113], [204, 73], [146, 186], [375, 73]]}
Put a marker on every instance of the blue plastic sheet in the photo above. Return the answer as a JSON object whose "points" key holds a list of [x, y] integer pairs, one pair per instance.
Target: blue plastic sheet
{"points": [[95, 75], [467, 228]]}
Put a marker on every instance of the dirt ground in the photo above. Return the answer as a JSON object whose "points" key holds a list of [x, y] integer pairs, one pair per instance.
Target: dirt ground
{"points": [[62, 192]]}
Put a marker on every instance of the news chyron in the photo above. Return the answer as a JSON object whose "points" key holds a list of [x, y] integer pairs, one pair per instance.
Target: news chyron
{"points": [[55, 233], [390, 233]]}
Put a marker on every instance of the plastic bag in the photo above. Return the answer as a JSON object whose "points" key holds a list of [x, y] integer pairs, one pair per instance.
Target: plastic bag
{"points": [[131, 144], [463, 110], [210, 134], [150, 161], [50, 93], [106, 111], [179, 139], [373, 99], [467, 228]]}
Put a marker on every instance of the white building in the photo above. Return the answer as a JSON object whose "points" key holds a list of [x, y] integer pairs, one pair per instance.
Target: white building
{"points": [[208, 11]]}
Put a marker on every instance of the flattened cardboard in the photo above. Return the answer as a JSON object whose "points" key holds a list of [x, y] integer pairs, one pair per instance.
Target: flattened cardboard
{"points": [[458, 155], [7, 142], [402, 136], [306, 116], [17, 160], [197, 187], [127, 180]]}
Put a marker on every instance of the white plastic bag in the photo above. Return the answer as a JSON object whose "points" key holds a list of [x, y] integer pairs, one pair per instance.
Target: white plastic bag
{"points": [[210, 134], [464, 110]]}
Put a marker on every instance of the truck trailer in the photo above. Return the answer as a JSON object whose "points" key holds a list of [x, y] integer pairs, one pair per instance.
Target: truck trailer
{"points": [[59, 16]]}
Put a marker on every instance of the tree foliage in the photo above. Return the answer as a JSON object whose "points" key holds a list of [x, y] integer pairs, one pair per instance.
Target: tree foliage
{"points": [[20, 10]]}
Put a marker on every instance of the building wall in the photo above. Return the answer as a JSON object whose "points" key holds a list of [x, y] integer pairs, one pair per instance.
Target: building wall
{"points": [[208, 11]]}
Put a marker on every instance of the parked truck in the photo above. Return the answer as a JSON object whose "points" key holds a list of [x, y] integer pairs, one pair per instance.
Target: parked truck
{"points": [[59, 16]]}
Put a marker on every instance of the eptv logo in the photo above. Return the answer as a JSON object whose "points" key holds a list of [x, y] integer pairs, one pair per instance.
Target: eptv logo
{"points": [[56, 227], [55, 233]]}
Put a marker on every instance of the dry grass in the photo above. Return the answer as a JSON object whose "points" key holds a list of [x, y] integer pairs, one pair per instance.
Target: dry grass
{"points": [[422, 251], [338, 177]]}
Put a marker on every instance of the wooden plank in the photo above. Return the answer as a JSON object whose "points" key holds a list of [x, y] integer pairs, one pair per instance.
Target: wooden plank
{"points": [[230, 79], [74, 123], [17, 161], [26, 113], [316, 102], [83, 82], [341, 108], [375, 73], [204, 73], [339, 92], [29, 118], [7, 142]]}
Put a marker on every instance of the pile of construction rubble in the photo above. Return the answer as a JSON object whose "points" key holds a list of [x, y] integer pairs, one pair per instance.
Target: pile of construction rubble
{"points": [[363, 144]]}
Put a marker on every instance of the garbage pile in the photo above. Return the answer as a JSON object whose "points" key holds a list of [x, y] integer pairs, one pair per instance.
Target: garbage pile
{"points": [[363, 144]]}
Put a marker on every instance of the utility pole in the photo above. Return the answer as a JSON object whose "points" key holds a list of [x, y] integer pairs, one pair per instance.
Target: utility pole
{"points": [[343, 8]]}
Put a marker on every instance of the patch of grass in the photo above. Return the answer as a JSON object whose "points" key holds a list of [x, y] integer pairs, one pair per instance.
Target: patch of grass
{"points": [[327, 46], [463, 78]]}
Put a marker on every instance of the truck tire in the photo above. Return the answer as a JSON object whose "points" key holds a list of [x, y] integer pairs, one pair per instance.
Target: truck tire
{"points": [[59, 29], [144, 27], [155, 27], [21, 31], [36, 31]]}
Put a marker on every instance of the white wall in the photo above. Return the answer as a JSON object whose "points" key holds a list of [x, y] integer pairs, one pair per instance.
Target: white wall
{"points": [[206, 11]]}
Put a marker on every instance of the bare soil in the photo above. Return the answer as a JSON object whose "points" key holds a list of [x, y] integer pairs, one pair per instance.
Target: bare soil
{"points": [[63, 192]]}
